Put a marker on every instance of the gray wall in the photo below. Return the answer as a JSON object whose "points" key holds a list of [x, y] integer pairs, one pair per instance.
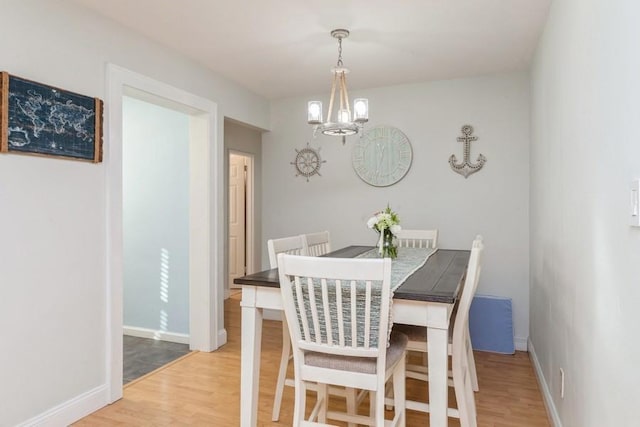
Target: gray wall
{"points": [[584, 256], [53, 246], [155, 217], [493, 202]]}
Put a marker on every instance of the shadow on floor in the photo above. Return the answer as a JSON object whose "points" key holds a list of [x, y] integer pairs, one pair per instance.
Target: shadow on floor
{"points": [[143, 355]]}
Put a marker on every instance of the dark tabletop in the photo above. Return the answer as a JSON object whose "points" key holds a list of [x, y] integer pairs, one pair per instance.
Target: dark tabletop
{"points": [[437, 280]]}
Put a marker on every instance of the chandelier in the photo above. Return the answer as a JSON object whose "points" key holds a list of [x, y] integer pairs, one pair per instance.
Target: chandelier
{"points": [[343, 124]]}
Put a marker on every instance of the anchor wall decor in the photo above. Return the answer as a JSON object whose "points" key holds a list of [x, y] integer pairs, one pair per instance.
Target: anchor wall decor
{"points": [[466, 168]]}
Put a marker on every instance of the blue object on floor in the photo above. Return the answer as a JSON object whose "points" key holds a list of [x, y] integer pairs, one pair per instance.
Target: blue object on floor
{"points": [[491, 324]]}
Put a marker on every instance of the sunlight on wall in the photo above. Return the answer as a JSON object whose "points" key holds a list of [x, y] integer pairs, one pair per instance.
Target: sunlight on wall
{"points": [[164, 275], [164, 291]]}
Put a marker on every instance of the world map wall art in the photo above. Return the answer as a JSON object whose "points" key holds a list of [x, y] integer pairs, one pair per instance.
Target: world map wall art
{"points": [[42, 120]]}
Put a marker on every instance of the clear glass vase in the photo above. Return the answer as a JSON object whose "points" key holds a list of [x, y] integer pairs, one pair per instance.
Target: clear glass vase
{"points": [[389, 248]]}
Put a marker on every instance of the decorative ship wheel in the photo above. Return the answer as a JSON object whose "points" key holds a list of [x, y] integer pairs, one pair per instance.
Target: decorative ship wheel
{"points": [[308, 162]]}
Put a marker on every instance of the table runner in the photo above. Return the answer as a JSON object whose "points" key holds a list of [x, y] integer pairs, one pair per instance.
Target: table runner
{"points": [[407, 262]]}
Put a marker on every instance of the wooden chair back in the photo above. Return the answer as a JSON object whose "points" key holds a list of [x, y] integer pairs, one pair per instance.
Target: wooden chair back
{"points": [[337, 306], [417, 238], [317, 244], [293, 245]]}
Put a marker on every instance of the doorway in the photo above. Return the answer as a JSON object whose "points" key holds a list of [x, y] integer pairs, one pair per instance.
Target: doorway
{"points": [[205, 227], [155, 211], [240, 216], [155, 170]]}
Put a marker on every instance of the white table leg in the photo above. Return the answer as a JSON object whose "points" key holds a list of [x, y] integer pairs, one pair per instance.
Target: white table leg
{"points": [[250, 358], [437, 340]]}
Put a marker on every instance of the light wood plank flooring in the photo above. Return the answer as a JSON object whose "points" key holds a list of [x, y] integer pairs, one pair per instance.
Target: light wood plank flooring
{"points": [[204, 389]]}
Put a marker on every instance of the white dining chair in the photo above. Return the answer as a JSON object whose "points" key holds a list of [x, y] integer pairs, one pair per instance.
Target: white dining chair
{"points": [[463, 372], [338, 315], [427, 239], [417, 238], [314, 244], [317, 244], [293, 245]]}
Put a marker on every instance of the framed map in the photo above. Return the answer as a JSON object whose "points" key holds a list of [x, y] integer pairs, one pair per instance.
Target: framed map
{"points": [[43, 120]]}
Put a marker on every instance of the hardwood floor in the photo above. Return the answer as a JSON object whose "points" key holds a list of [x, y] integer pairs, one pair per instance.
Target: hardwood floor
{"points": [[204, 389]]}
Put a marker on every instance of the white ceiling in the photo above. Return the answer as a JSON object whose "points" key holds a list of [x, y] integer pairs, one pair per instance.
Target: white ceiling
{"points": [[282, 48]]}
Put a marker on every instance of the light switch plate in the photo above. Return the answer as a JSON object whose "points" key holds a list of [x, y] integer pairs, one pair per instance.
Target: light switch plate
{"points": [[634, 206]]}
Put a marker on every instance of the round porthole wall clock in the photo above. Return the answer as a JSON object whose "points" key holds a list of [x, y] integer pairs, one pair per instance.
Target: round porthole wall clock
{"points": [[308, 162], [382, 156]]}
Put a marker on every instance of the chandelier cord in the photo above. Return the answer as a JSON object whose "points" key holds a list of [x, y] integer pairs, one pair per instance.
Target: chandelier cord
{"points": [[339, 52]]}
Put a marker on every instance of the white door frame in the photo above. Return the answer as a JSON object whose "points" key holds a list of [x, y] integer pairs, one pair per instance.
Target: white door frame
{"points": [[206, 328]]}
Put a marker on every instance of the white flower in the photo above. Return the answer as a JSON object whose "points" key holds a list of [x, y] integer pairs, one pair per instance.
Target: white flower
{"points": [[384, 220], [395, 229]]}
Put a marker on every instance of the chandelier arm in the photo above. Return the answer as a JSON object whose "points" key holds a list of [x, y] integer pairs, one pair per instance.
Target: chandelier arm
{"points": [[333, 93], [341, 93], [346, 94]]}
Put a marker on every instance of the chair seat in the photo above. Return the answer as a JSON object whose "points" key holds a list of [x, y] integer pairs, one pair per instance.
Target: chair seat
{"points": [[366, 365]]}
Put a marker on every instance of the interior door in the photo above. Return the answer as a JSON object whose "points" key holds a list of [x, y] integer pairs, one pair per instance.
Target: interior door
{"points": [[236, 217]]}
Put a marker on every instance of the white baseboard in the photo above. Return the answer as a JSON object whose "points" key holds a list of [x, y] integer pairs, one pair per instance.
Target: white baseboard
{"points": [[222, 337], [546, 394], [71, 410], [156, 335], [520, 343]]}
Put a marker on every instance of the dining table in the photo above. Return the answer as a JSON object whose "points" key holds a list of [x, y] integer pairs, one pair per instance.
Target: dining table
{"points": [[425, 298]]}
